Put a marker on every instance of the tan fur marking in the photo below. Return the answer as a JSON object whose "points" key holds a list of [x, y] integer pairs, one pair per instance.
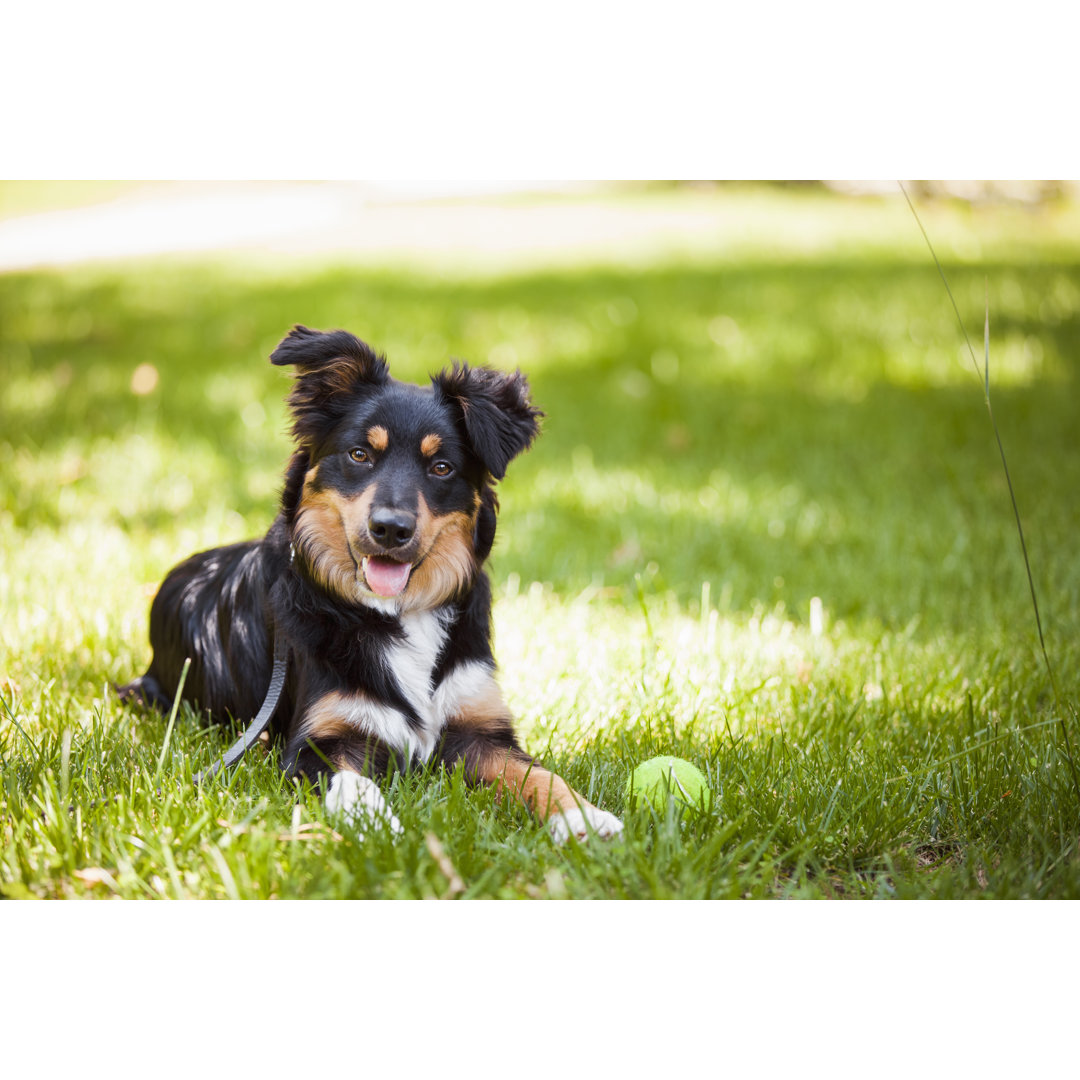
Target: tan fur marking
{"points": [[430, 445], [349, 720], [481, 712], [324, 522], [541, 791], [538, 789], [378, 438], [447, 564], [342, 374], [326, 718], [493, 726]]}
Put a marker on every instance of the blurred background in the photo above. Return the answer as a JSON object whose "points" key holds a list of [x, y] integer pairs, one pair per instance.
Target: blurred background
{"points": [[758, 391], [54, 223]]}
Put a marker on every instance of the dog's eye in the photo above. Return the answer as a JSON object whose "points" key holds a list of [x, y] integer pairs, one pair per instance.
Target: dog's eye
{"points": [[442, 468], [360, 455]]}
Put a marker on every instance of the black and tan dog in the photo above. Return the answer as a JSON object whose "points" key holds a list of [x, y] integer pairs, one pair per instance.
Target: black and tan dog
{"points": [[372, 573]]}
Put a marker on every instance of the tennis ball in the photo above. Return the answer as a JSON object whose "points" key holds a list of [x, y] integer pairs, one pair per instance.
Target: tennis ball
{"points": [[653, 780]]}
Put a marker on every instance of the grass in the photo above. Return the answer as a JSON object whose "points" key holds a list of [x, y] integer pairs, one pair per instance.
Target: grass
{"points": [[727, 440]]}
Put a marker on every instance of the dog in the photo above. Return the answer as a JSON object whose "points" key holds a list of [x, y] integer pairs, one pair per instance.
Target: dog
{"points": [[372, 576]]}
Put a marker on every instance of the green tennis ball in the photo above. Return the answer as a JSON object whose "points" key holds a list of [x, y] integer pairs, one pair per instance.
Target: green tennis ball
{"points": [[653, 780]]}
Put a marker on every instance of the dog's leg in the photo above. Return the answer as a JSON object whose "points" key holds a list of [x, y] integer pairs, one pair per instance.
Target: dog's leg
{"points": [[146, 692], [343, 766], [358, 800], [491, 756], [554, 801]]}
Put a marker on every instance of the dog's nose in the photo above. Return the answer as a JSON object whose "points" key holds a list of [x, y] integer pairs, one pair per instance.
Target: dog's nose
{"points": [[391, 528]]}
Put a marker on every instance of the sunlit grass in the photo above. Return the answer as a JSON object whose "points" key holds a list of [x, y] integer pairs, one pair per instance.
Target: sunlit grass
{"points": [[729, 443]]}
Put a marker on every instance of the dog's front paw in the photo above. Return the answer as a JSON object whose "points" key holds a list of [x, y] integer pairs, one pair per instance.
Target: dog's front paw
{"points": [[580, 822], [359, 800]]}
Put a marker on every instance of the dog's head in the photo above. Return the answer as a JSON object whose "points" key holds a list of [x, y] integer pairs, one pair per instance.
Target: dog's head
{"points": [[389, 494]]}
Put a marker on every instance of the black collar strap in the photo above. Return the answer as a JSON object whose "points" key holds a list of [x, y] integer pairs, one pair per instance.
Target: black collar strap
{"points": [[261, 721]]}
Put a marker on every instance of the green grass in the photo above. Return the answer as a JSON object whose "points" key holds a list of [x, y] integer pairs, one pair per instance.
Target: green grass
{"points": [[727, 439]]}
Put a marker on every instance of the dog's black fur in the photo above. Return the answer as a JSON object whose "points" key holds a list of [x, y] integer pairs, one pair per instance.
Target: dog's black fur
{"points": [[372, 573]]}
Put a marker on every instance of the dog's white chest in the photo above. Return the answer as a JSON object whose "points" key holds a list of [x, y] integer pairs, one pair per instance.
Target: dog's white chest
{"points": [[412, 662]]}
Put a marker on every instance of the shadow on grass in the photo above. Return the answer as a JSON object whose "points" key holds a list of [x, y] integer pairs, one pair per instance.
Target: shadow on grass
{"points": [[779, 431]]}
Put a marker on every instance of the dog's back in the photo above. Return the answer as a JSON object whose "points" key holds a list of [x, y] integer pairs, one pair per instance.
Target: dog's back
{"points": [[211, 608]]}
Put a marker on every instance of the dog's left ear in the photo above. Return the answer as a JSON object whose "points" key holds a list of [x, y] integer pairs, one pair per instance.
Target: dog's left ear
{"points": [[497, 416], [331, 368]]}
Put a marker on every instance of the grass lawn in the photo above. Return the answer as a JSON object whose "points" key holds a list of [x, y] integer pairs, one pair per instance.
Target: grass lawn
{"points": [[735, 438]]}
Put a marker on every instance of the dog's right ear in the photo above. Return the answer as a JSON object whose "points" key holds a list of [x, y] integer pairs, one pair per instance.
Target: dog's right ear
{"points": [[332, 369]]}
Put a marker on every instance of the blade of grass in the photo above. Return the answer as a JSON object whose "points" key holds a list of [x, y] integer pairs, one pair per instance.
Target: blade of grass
{"points": [[912, 773], [1008, 481], [172, 718]]}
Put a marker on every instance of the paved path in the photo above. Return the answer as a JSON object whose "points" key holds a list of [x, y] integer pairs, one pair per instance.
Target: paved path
{"points": [[353, 221]]}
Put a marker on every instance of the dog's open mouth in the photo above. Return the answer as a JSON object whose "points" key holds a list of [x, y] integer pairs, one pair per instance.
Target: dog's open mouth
{"points": [[385, 577]]}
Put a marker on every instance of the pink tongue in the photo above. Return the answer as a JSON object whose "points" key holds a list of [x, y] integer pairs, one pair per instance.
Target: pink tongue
{"points": [[386, 577]]}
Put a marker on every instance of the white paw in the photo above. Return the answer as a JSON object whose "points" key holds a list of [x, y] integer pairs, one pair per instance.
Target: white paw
{"points": [[359, 799], [580, 822]]}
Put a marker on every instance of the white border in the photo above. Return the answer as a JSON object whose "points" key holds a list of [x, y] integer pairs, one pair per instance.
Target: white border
{"points": [[476, 91], [953, 988]]}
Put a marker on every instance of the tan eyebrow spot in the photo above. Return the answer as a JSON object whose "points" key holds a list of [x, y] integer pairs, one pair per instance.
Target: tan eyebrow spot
{"points": [[430, 445], [378, 438]]}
